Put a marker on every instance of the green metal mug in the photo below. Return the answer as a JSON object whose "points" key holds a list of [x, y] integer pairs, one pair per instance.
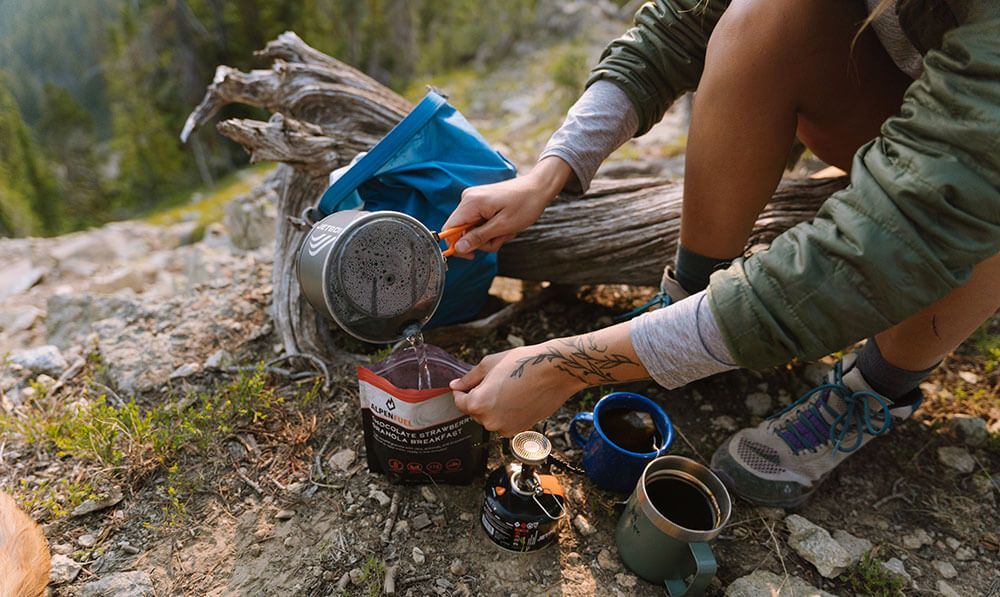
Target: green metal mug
{"points": [[678, 506]]}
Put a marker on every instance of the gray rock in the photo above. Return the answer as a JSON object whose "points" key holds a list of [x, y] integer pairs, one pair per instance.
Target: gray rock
{"points": [[969, 377], [185, 370], [135, 360], [759, 404], [379, 496], [762, 582], [625, 580], [972, 430], [945, 569], [342, 460], [284, 514], [219, 359], [113, 242], [105, 562], [428, 494], [607, 561], [250, 218], [458, 568], [19, 276], [18, 318], [421, 521], [856, 547], [89, 506], [964, 554], [896, 568], [418, 556], [70, 317], [43, 359], [816, 545], [917, 539], [946, 590], [122, 584], [130, 277], [63, 569], [956, 458], [86, 540], [583, 525], [725, 423]]}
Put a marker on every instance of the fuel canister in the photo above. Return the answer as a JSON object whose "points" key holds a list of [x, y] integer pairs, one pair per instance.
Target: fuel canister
{"points": [[522, 508]]}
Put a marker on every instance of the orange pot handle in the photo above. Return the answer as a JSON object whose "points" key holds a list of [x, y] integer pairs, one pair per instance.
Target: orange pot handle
{"points": [[451, 236]]}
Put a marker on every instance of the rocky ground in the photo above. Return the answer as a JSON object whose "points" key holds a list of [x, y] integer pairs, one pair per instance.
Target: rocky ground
{"points": [[279, 501], [147, 422]]}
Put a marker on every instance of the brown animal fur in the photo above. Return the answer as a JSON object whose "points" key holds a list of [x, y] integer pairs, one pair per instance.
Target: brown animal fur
{"points": [[24, 553]]}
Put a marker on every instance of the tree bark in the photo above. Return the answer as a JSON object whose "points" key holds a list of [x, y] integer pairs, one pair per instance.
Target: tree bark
{"points": [[325, 112]]}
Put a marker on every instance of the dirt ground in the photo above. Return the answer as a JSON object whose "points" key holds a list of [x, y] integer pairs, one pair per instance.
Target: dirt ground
{"points": [[257, 520]]}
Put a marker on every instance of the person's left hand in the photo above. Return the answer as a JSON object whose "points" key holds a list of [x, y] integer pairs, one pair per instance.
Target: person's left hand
{"points": [[510, 391]]}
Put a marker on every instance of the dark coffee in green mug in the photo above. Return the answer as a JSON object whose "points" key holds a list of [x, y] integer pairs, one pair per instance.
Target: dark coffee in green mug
{"points": [[683, 502], [677, 507]]}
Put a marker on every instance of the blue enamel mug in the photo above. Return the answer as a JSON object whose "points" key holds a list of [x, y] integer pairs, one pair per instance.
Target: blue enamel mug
{"points": [[617, 451]]}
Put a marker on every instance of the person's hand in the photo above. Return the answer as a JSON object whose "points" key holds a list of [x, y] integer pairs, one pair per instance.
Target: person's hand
{"points": [[509, 391], [503, 209]]}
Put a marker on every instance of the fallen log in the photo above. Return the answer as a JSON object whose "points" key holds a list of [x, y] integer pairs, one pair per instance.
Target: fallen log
{"points": [[325, 112]]}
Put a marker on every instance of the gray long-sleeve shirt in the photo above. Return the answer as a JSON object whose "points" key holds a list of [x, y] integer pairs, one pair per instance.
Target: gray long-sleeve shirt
{"points": [[681, 342]]}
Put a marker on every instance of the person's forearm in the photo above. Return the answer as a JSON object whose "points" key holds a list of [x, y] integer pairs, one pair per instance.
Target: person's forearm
{"points": [[550, 174], [674, 346], [605, 356]]}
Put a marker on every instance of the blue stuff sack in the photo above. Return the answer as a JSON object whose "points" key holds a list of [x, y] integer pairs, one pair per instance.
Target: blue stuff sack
{"points": [[421, 168]]}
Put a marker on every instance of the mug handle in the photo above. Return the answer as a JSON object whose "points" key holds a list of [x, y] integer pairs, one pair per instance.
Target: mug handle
{"points": [[705, 570], [584, 417]]}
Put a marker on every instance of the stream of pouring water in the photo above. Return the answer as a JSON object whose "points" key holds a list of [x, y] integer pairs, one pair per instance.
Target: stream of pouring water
{"points": [[416, 340]]}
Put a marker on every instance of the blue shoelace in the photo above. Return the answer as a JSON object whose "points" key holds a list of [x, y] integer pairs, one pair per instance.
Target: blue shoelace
{"points": [[809, 429], [661, 299]]}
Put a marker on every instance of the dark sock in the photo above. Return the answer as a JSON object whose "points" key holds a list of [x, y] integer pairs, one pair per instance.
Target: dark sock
{"points": [[884, 377], [693, 269]]}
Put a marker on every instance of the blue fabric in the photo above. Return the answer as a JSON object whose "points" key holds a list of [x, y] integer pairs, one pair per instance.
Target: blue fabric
{"points": [[421, 168]]}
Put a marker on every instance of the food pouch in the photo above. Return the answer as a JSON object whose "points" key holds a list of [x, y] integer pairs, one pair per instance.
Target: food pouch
{"points": [[418, 435]]}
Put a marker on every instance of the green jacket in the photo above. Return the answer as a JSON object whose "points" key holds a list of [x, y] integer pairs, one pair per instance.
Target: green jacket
{"points": [[922, 209]]}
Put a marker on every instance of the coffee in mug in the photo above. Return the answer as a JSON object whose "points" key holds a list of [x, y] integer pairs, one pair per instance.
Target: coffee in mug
{"points": [[663, 535], [685, 501], [631, 429]]}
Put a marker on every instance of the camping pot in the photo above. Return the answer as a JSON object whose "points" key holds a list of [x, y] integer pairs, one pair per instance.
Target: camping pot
{"points": [[379, 274]]}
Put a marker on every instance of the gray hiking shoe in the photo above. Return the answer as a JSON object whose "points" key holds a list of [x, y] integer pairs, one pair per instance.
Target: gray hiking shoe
{"points": [[670, 292], [784, 459]]}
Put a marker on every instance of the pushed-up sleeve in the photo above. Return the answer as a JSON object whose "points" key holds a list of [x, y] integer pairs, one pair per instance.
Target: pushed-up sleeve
{"points": [[661, 56], [922, 209]]}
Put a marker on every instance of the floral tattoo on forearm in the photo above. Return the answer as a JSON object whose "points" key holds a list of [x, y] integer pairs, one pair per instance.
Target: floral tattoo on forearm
{"points": [[581, 358]]}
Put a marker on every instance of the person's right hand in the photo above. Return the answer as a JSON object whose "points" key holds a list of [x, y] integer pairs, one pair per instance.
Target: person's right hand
{"points": [[502, 209]]}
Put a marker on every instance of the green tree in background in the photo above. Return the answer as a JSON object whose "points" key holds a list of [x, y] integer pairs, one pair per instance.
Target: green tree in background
{"points": [[105, 86], [30, 201], [66, 132], [145, 107]]}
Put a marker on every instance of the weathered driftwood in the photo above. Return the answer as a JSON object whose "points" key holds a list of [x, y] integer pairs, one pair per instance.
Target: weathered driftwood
{"points": [[625, 231], [324, 112]]}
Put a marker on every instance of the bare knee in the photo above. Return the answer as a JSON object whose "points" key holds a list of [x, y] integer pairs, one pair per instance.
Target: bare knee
{"points": [[840, 86]]}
